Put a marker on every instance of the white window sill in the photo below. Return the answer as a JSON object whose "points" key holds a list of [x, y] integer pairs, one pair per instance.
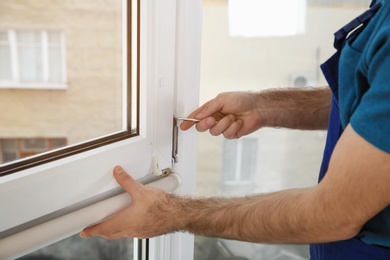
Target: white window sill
{"points": [[238, 183], [33, 85]]}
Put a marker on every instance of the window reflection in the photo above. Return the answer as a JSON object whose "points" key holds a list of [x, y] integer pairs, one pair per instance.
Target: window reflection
{"points": [[85, 249]]}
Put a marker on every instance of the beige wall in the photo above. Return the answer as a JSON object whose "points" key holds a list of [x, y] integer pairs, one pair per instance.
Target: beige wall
{"points": [[91, 104], [257, 63]]}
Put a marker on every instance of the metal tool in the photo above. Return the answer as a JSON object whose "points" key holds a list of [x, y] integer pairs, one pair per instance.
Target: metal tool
{"points": [[187, 119]]}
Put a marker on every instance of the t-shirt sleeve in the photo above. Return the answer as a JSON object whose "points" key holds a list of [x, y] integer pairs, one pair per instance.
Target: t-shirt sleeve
{"points": [[371, 119]]}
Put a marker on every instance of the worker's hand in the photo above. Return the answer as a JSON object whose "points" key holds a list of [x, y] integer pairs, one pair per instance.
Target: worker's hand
{"points": [[233, 114], [147, 216]]}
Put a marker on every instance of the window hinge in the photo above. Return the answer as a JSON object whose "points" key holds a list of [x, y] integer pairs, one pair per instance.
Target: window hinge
{"points": [[160, 172], [175, 136]]}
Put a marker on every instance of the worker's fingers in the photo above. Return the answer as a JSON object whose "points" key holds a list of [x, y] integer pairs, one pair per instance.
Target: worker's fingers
{"points": [[125, 180], [185, 125], [136, 220], [232, 132], [206, 124], [103, 229], [211, 108], [119, 226], [222, 125], [118, 235]]}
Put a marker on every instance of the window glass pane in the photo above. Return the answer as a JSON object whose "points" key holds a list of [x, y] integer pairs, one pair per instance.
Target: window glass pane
{"points": [[30, 61], [34, 144], [55, 59], [248, 159], [5, 62], [239, 161], [85, 249], [3, 37], [230, 160], [272, 159], [30, 55], [54, 38], [5, 57], [13, 149], [57, 142], [70, 74], [10, 150], [32, 38], [55, 71]]}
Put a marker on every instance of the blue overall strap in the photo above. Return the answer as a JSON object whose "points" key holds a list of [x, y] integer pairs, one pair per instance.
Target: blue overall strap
{"points": [[351, 249], [330, 69], [342, 34]]}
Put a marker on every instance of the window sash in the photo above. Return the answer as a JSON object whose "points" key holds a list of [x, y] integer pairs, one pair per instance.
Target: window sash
{"points": [[67, 222], [56, 183], [88, 173], [42, 170], [131, 93]]}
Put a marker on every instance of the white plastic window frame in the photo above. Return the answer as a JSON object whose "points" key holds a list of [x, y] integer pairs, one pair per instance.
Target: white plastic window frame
{"points": [[169, 75], [180, 246], [16, 82]]}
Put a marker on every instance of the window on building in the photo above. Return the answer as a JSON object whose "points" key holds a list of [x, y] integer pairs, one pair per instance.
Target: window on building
{"points": [[32, 57], [14, 149], [239, 161], [246, 18], [5, 57]]}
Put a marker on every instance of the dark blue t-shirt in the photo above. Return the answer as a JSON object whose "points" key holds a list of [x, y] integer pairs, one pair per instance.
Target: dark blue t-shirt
{"points": [[364, 99]]}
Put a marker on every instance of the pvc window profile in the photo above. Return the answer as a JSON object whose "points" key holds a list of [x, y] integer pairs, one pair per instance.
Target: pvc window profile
{"points": [[56, 226]]}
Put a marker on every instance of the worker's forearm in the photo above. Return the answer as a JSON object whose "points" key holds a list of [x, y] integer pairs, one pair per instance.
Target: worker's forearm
{"points": [[281, 217], [294, 108]]}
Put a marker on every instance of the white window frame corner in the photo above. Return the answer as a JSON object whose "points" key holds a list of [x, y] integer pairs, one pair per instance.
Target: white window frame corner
{"points": [[188, 27]]}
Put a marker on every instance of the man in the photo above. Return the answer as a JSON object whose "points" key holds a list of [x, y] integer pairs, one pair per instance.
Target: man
{"points": [[345, 216]]}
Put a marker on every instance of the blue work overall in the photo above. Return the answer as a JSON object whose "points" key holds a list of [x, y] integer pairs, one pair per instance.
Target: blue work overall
{"points": [[351, 248]]}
